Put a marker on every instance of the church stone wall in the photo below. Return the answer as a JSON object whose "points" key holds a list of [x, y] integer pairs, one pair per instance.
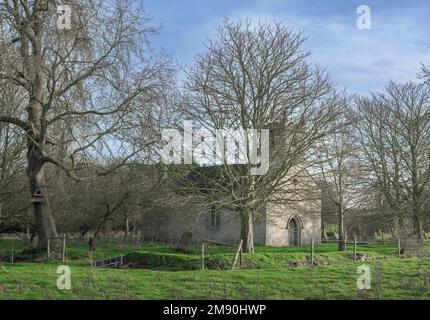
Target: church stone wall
{"points": [[170, 224], [278, 217]]}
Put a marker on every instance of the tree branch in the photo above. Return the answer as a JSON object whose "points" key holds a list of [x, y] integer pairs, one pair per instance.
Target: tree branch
{"points": [[23, 125]]}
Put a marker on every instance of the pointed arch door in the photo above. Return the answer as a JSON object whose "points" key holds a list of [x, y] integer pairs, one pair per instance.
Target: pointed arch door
{"points": [[293, 232]]}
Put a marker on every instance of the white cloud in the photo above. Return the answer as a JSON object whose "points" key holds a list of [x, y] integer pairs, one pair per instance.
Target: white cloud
{"points": [[360, 60]]}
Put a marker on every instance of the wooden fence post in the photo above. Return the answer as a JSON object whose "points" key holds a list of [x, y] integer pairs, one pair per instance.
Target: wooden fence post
{"points": [[12, 253], [47, 250], [398, 248], [203, 256], [355, 248], [312, 251], [236, 256], [64, 248]]}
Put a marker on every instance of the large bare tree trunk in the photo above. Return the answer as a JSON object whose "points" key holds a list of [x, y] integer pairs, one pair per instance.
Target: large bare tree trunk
{"points": [[247, 232], [36, 141], [44, 220]]}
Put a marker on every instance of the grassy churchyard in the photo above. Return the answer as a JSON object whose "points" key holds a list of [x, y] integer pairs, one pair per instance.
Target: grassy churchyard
{"points": [[158, 271]]}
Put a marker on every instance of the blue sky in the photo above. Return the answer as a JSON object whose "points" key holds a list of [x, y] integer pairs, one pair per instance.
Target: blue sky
{"points": [[359, 60]]}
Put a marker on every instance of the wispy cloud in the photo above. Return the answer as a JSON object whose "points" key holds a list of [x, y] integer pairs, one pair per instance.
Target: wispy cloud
{"points": [[359, 60]]}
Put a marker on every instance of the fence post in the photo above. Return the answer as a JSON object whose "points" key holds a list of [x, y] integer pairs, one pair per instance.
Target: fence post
{"points": [[236, 256], [203, 255], [398, 248], [12, 253], [47, 250], [312, 251], [64, 248], [355, 248]]}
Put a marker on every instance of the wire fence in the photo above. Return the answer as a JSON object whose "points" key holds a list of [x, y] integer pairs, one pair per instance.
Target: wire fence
{"points": [[401, 247], [12, 247]]}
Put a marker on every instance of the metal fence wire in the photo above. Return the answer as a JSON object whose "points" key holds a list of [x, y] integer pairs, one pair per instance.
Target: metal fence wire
{"points": [[12, 246]]}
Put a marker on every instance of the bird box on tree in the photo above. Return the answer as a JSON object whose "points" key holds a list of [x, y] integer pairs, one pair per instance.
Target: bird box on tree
{"points": [[38, 196]]}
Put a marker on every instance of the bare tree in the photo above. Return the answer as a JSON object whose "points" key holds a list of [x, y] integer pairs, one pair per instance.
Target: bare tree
{"points": [[425, 73], [255, 77], [114, 197], [395, 134], [96, 207], [81, 85], [338, 171]]}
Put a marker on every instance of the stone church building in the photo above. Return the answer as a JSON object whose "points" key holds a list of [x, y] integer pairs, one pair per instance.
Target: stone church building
{"points": [[276, 224]]}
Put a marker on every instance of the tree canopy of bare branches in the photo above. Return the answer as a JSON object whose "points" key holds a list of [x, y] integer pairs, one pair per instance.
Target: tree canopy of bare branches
{"points": [[82, 87], [394, 132], [255, 76]]}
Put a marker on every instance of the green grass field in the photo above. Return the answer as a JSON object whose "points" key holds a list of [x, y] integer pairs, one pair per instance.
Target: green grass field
{"points": [[271, 273]]}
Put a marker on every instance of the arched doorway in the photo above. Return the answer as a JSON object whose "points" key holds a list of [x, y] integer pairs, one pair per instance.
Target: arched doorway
{"points": [[294, 229]]}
